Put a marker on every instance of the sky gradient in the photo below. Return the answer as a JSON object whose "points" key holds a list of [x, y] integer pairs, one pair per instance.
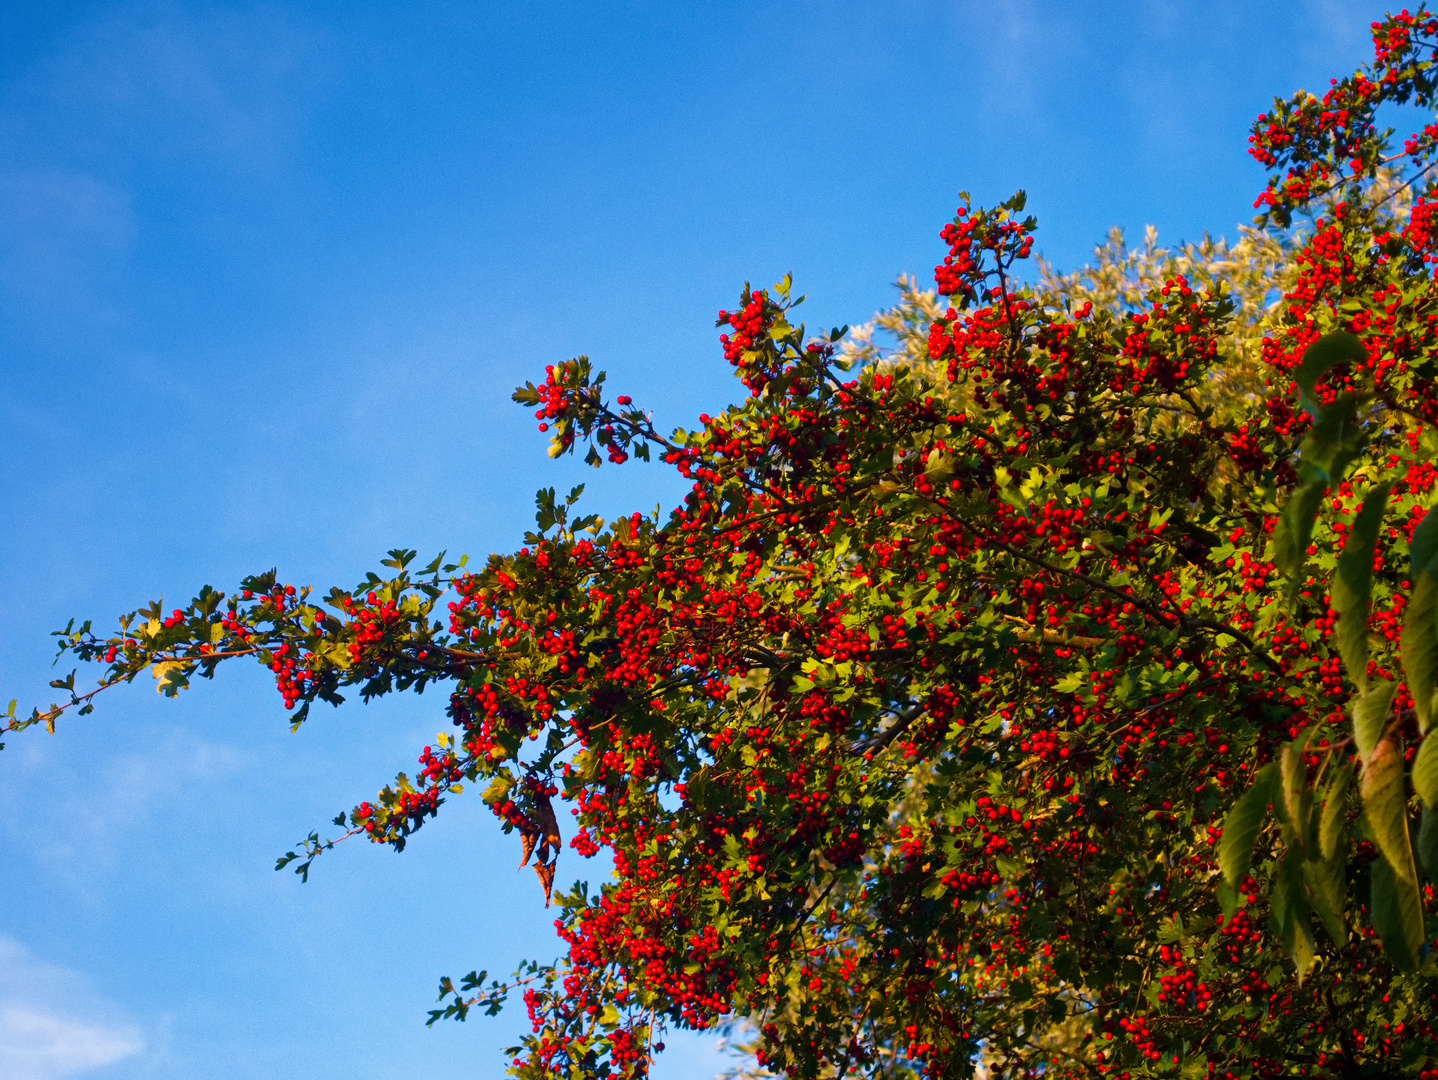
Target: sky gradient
{"points": [[268, 274]]}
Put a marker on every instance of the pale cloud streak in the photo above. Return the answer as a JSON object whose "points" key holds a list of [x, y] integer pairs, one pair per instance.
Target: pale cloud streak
{"points": [[52, 1025], [157, 81], [96, 819], [61, 234], [94, 132]]}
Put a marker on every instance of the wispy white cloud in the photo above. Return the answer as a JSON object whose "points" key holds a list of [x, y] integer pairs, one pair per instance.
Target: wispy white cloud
{"points": [[60, 234], [52, 1025], [94, 821], [141, 116], [147, 80]]}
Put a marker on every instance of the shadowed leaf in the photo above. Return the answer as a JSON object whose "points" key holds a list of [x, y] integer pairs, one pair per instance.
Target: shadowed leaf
{"points": [[1397, 915], [1425, 771], [1335, 810], [1424, 544], [1297, 799], [1322, 357], [1242, 825], [1428, 842], [1352, 584], [1326, 881], [1295, 529], [1420, 640]]}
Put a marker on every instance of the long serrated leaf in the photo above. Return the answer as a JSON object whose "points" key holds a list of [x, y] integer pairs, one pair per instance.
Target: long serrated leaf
{"points": [[1334, 440], [1294, 530], [1352, 584], [1297, 800], [1397, 914], [1385, 804], [1325, 881], [1428, 842], [1339, 347], [1335, 810], [1424, 544], [1242, 825], [1370, 716], [1296, 930], [1425, 770], [1420, 640]]}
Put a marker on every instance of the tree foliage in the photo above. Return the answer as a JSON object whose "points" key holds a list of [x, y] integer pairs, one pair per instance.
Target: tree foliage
{"points": [[1051, 692]]}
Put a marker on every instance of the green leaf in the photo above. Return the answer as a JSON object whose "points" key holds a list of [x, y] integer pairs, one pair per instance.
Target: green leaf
{"points": [[1325, 881], [1420, 641], [1425, 771], [1335, 810], [1242, 825], [171, 676], [1335, 439], [1385, 804], [939, 466], [1290, 911], [1321, 357], [1370, 716], [1397, 915], [1295, 529], [1428, 842], [1296, 798], [1352, 584], [1424, 544]]}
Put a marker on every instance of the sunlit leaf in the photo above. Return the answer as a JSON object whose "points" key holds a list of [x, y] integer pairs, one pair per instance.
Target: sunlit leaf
{"points": [[171, 676], [1371, 713], [1385, 804]]}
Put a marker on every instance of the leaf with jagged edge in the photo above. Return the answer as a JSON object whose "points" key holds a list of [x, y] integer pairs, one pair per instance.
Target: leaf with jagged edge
{"points": [[1339, 347], [1397, 914], [1326, 883], [1385, 805], [527, 839], [1334, 440], [171, 676], [1289, 912], [1295, 796], [1425, 771], [1420, 637], [1370, 716], [546, 879], [1352, 583], [1334, 815], [1298, 937], [1424, 543], [1428, 842], [1295, 529], [1242, 825]]}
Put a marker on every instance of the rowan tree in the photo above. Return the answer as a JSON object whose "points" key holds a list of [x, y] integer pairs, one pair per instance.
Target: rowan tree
{"points": [[1052, 694]]}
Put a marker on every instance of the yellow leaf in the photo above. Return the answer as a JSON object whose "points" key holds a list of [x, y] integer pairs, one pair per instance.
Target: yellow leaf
{"points": [[171, 676]]}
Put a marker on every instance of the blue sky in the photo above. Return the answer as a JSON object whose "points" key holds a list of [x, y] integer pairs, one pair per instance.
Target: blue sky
{"points": [[268, 274]]}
